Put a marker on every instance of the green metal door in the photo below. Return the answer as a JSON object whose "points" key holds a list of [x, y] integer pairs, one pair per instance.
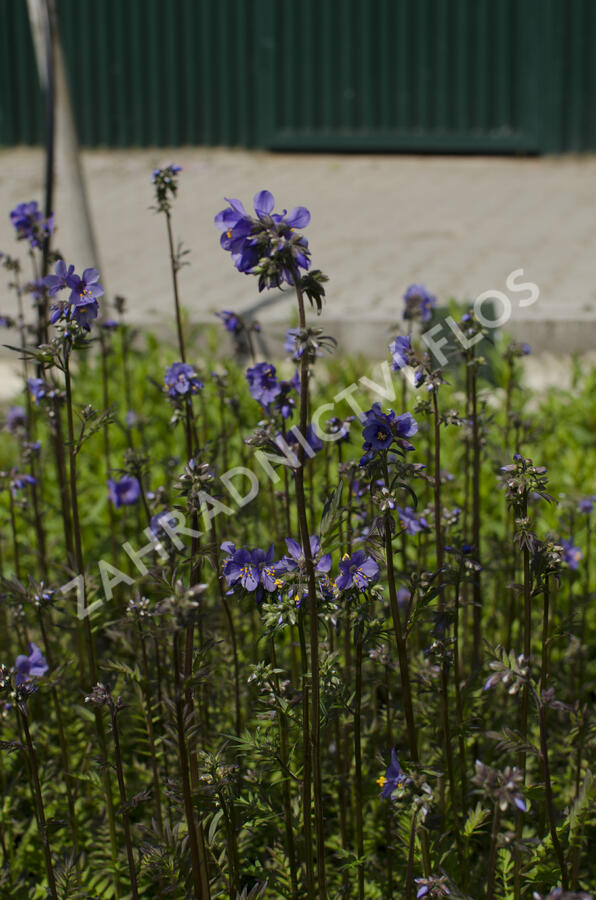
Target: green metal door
{"points": [[440, 75], [413, 75]]}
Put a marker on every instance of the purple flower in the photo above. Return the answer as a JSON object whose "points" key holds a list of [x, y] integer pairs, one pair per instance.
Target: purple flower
{"points": [[20, 482], [433, 886], [267, 242], [312, 438], [392, 777], [292, 345], [32, 666], [358, 570], [381, 429], [284, 402], [59, 280], [400, 348], [254, 570], [262, 383], [181, 379], [82, 303], [419, 303], [84, 288], [30, 224], [296, 558], [571, 554], [37, 389], [341, 427], [125, 492], [231, 321], [411, 523], [587, 505], [159, 520], [110, 324], [16, 418]]}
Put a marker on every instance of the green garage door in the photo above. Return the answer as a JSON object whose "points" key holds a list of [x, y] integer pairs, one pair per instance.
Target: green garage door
{"points": [[510, 76]]}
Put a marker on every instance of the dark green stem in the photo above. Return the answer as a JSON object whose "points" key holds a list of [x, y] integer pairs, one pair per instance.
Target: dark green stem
{"points": [[123, 801], [41, 819]]}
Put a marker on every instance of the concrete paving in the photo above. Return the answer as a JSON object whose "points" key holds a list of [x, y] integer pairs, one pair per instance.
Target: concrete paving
{"points": [[460, 225]]}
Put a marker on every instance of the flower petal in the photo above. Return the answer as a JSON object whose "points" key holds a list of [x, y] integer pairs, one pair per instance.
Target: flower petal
{"points": [[264, 203]]}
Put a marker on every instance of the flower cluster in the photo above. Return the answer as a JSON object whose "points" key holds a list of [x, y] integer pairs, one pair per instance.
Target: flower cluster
{"points": [[181, 380], [254, 570], [503, 787], [264, 387], [401, 349], [16, 418], [165, 184], [81, 306], [380, 430], [419, 303], [30, 224], [267, 243], [435, 886], [510, 671], [410, 522]]}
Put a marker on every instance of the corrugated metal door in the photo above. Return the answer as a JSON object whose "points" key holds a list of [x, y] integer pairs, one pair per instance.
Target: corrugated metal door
{"points": [[428, 75], [402, 74]]}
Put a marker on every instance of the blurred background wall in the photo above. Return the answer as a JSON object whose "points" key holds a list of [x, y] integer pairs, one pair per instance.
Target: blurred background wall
{"points": [[477, 76]]}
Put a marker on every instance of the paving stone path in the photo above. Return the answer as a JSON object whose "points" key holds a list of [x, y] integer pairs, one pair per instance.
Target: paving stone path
{"points": [[460, 225]]}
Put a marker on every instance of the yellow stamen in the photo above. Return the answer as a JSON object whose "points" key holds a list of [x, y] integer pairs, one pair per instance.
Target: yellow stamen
{"points": [[381, 781]]}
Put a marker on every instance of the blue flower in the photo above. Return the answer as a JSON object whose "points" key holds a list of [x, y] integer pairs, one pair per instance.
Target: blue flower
{"points": [[37, 389], [284, 403], [254, 570], [30, 224], [312, 438], [32, 666], [181, 379], [231, 321], [125, 492], [381, 429], [296, 558], [59, 280], [265, 244], [82, 303], [587, 505], [411, 523], [419, 303], [262, 383], [571, 554], [16, 418], [20, 482], [341, 427], [357, 571], [400, 348], [392, 777]]}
